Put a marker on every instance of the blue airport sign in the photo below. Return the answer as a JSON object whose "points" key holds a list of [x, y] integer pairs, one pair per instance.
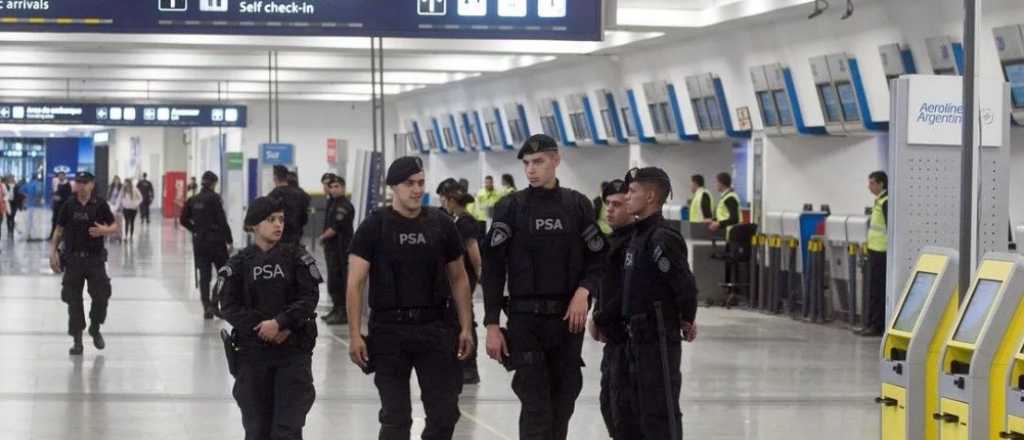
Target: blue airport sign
{"points": [[131, 115], [499, 19]]}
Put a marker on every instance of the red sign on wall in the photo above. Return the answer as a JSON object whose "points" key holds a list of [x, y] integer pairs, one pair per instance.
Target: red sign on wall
{"points": [[332, 151]]}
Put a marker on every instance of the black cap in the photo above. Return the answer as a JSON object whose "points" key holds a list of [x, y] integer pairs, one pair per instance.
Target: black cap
{"points": [[209, 176], [260, 209], [649, 174], [537, 143], [402, 168], [84, 177], [616, 186], [448, 186]]}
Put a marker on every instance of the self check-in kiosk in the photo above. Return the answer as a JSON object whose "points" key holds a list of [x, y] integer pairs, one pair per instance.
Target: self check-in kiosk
{"points": [[551, 123], [978, 354], [946, 56], [897, 60], [582, 122], [433, 133], [912, 346], [842, 95], [450, 133], [496, 129], [663, 109], [416, 137], [1010, 47], [470, 131], [518, 127], [705, 106], [778, 102], [614, 113]]}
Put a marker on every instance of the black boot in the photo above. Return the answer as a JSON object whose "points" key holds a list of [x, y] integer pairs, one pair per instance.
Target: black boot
{"points": [[97, 337], [76, 348], [337, 317], [208, 312]]}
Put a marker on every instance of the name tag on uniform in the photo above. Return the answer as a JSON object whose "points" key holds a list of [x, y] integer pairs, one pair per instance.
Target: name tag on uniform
{"points": [[547, 225], [412, 239], [267, 272]]}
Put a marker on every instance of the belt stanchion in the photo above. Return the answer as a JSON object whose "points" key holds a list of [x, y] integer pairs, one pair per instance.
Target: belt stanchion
{"points": [[862, 289], [778, 281], [851, 291], [793, 285], [753, 268], [819, 303]]}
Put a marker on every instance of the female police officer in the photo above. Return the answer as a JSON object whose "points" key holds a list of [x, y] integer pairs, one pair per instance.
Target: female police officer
{"points": [[413, 258], [268, 293]]}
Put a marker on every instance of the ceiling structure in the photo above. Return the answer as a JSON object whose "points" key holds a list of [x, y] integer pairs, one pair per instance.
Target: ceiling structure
{"points": [[98, 67]]}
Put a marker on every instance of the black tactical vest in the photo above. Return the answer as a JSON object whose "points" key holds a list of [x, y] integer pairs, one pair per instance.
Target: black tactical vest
{"points": [[409, 267], [546, 251]]}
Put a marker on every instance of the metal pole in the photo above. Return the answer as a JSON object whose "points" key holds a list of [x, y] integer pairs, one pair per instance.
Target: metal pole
{"points": [[277, 99], [967, 153], [383, 136], [270, 97], [373, 89]]}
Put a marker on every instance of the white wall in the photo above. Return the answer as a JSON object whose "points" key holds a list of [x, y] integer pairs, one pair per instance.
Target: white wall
{"points": [[1017, 176]]}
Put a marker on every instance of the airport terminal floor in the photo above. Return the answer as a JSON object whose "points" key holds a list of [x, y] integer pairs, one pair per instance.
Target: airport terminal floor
{"points": [[163, 375]]}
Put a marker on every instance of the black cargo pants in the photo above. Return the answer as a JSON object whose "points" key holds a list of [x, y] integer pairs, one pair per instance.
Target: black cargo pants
{"points": [[645, 366], [337, 276], [430, 349], [274, 395], [209, 255], [617, 390], [78, 270]]}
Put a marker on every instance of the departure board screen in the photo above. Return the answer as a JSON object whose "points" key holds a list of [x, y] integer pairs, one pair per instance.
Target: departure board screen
{"points": [[830, 103], [914, 301], [977, 311], [1015, 74]]}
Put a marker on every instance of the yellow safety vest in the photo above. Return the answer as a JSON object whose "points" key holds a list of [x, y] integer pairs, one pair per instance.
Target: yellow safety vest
{"points": [[485, 201], [722, 212], [878, 237], [602, 220], [696, 213]]}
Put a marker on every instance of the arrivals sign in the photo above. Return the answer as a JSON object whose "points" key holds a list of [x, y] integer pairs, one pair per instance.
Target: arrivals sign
{"points": [[505, 19], [162, 115], [935, 111]]}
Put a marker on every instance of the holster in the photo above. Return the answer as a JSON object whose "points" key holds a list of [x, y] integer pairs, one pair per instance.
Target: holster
{"points": [[231, 350]]}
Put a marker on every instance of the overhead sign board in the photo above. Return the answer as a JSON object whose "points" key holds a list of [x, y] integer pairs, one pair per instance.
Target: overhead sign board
{"points": [[156, 115], [504, 19]]}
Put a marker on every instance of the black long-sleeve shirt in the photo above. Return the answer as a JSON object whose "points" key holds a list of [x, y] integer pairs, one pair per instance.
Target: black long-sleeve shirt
{"points": [[203, 216], [705, 206]]}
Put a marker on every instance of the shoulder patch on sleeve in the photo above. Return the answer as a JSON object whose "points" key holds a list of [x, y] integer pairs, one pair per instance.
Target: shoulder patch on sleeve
{"points": [[310, 263], [658, 252], [664, 264], [500, 233], [592, 236], [225, 271]]}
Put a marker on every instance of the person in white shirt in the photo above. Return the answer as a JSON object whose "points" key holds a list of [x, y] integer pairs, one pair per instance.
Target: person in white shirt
{"points": [[131, 198]]}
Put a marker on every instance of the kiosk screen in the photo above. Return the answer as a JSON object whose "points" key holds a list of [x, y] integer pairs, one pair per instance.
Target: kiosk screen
{"points": [[714, 113], [830, 102], [1015, 74], [849, 100], [977, 311], [785, 112], [768, 113], [703, 120], [914, 302]]}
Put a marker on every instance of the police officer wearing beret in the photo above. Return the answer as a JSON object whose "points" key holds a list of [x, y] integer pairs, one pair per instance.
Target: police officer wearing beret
{"points": [[295, 202], [412, 256], [204, 217], [268, 293], [660, 305], [545, 242], [81, 224], [608, 325], [336, 237]]}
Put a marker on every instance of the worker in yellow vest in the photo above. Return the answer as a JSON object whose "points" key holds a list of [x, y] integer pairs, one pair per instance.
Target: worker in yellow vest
{"points": [[486, 198], [878, 246], [727, 214], [700, 204], [508, 185]]}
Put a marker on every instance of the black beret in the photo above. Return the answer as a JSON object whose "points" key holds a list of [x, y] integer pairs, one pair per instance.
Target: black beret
{"points": [[448, 186], [209, 176], [616, 186], [260, 209], [84, 177], [649, 174], [537, 143], [402, 168]]}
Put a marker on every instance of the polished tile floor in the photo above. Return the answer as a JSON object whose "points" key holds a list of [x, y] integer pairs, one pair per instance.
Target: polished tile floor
{"points": [[162, 376]]}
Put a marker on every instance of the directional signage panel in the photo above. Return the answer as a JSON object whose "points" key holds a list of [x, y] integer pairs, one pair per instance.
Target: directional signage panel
{"points": [[505, 19], [158, 115]]}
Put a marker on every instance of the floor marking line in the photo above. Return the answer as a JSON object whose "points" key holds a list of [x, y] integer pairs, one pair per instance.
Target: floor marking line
{"points": [[479, 422]]}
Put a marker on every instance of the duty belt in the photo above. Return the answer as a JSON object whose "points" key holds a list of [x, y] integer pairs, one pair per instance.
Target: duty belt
{"points": [[539, 306], [408, 316], [83, 254]]}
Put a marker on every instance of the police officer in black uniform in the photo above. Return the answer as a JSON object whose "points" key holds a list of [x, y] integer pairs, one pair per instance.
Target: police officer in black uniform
{"points": [[545, 242], [204, 217], [454, 201], [268, 293], [82, 223], [336, 237], [608, 325], [412, 256], [295, 202], [660, 303]]}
